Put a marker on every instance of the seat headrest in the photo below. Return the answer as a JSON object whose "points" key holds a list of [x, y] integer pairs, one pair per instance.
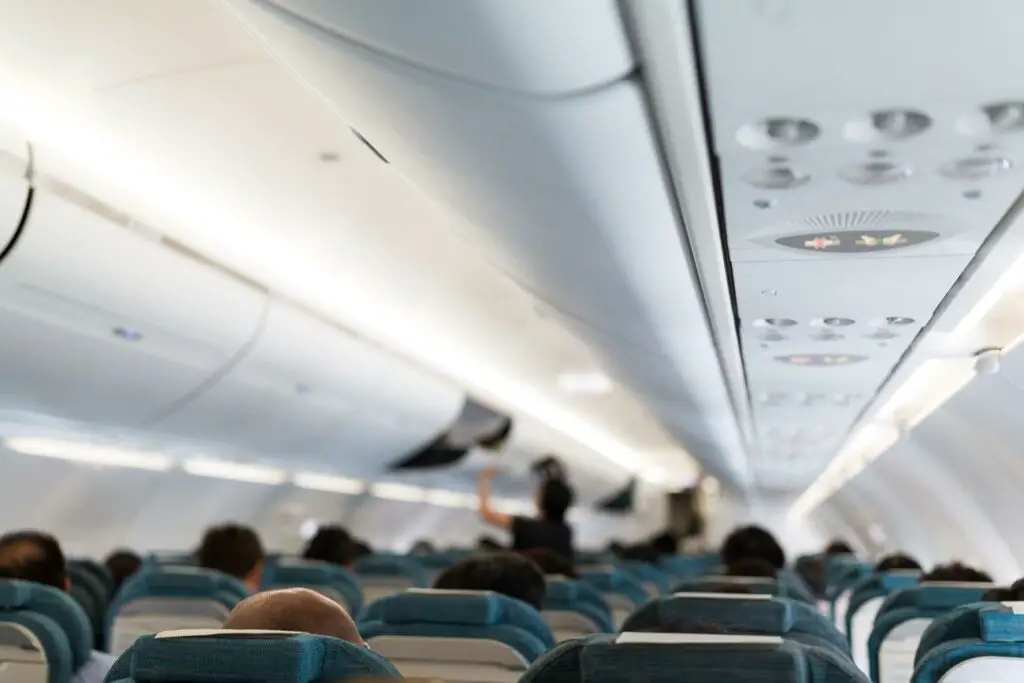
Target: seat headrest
{"points": [[616, 581], [661, 657], [14, 594], [562, 590], [1002, 625], [251, 656], [739, 613], [56, 605], [183, 582], [392, 565], [468, 608], [929, 596]]}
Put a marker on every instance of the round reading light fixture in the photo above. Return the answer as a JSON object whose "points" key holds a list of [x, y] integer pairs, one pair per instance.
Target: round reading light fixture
{"points": [[899, 124], [899, 320], [771, 336], [765, 203], [876, 172], [778, 132], [1005, 117], [127, 334], [778, 178], [987, 361], [837, 322], [976, 167], [775, 322]]}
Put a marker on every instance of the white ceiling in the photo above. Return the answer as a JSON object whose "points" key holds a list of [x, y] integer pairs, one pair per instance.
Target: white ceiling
{"points": [[171, 113]]}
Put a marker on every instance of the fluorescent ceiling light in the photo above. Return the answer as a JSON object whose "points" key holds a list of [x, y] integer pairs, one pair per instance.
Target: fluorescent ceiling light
{"points": [[513, 506], [220, 469], [403, 492], [107, 456], [326, 482], [451, 499], [585, 383]]}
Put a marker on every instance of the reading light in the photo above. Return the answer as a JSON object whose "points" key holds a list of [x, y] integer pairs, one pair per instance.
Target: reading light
{"points": [[221, 469], [107, 456], [326, 482]]}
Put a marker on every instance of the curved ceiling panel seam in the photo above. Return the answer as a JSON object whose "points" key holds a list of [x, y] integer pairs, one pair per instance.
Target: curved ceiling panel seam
{"points": [[592, 85]]}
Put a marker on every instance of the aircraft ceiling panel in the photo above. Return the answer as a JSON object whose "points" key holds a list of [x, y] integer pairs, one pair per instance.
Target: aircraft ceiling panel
{"points": [[573, 186], [301, 387], [115, 339], [532, 45], [863, 290]]}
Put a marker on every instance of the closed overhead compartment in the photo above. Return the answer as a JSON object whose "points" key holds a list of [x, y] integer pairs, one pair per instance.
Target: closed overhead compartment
{"points": [[14, 187], [319, 396], [533, 46], [101, 325]]}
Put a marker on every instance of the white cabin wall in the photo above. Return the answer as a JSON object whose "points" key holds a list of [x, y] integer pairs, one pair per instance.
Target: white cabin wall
{"points": [[951, 488]]}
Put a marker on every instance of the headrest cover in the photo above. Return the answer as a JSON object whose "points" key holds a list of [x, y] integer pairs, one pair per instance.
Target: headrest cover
{"points": [[933, 596], [998, 626], [253, 657], [441, 607], [562, 591], [14, 594], [744, 616], [898, 579]]}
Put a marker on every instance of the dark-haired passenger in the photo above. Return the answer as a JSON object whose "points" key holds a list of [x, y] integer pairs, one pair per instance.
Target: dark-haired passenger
{"points": [[958, 572], [752, 543], [37, 557], [508, 573], [235, 550], [122, 565], [549, 529], [897, 562]]}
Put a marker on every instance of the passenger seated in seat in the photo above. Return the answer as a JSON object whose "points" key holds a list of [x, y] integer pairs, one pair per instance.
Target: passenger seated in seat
{"points": [[752, 568], [332, 544], [294, 609], [838, 548], [551, 563], [235, 550], [897, 562], [122, 564], [666, 544], [35, 556], [506, 572], [956, 571], [724, 587], [814, 572], [553, 498], [752, 543]]}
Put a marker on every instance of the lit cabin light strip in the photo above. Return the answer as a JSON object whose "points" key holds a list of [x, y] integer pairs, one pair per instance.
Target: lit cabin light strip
{"points": [[931, 385], [110, 456], [220, 469], [54, 125], [104, 456], [327, 482]]}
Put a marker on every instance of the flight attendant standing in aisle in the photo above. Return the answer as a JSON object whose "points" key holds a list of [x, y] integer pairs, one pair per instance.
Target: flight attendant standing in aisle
{"points": [[549, 528]]}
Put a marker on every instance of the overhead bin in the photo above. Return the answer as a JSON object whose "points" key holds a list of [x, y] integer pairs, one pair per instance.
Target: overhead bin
{"points": [[572, 188], [534, 46], [320, 396], [100, 325], [476, 425], [14, 187]]}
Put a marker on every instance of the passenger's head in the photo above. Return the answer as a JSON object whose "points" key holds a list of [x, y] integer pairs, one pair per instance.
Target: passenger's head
{"points": [[897, 562], [502, 572], [838, 548], [422, 548], [956, 571], [554, 498], [294, 609], [234, 550], [998, 594], [332, 544], [752, 568], [752, 543], [665, 544], [1015, 593], [33, 556], [487, 544], [122, 564], [551, 563]]}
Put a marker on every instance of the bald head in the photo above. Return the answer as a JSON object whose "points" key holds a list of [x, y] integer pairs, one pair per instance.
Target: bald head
{"points": [[294, 609]]}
